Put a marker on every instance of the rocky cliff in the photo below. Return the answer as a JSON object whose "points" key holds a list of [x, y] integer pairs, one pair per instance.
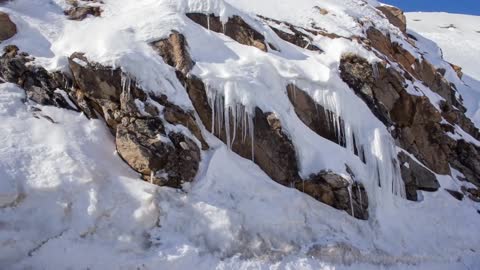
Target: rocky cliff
{"points": [[355, 117]]}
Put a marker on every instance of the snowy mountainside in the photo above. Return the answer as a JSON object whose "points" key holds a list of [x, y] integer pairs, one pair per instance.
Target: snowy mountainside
{"points": [[232, 135], [458, 37]]}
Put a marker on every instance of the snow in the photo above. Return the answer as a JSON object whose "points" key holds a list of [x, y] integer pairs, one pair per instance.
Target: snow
{"points": [[456, 37], [67, 201]]}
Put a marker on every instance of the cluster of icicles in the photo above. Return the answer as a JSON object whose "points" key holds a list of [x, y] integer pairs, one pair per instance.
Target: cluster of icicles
{"points": [[376, 150], [222, 113]]}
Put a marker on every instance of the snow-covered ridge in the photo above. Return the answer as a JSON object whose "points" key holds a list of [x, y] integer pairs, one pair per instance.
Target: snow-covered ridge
{"points": [[96, 213]]}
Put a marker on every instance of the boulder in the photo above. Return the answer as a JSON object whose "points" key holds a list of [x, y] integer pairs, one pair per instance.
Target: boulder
{"points": [[235, 28], [334, 190], [395, 16], [7, 28]]}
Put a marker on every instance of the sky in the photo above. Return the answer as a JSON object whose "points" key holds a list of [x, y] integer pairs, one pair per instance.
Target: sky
{"points": [[451, 6]]}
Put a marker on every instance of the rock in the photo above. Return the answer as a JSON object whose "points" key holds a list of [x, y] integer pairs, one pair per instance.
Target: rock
{"points": [[392, 50], [334, 190], [458, 70], [466, 158], [416, 177], [161, 157], [395, 16], [313, 115], [298, 38], [272, 150], [174, 52], [7, 28], [139, 144], [419, 132], [40, 86], [457, 195], [79, 13], [357, 73], [235, 28]]}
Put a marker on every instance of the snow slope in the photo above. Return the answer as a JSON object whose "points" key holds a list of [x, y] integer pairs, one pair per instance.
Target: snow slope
{"points": [[458, 36], [69, 202]]}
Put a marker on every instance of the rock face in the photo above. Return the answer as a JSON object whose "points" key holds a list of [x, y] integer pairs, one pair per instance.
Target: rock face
{"points": [[259, 135], [7, 28], [316, 117], [163, 157], [395, 16], [417, 125], [416, 177], [235, 28], [337, 192]]}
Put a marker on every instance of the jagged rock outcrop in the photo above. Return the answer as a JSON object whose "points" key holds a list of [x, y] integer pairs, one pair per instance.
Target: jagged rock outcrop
{"points": [[259, 136], [418, 125], [416, 177], [7, 28], [359, 75], [235, 28], [336, 191], [163, 157], [40, 86], [82, 9], [173, 51], [395, 16], [298, 37]]}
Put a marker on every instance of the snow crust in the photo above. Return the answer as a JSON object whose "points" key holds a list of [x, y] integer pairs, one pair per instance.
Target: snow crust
{"points": [[67, 201]]}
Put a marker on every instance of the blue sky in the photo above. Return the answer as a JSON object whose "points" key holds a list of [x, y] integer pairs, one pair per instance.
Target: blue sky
{"points": [[451, 6]]}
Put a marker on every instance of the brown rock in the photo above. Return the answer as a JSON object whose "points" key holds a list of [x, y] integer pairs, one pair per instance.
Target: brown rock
{"points": [[7, 28], [163, 159], [336, 191], [79, 13], [313, 115], [395, 16], [272, 150], [174, 52], [236, 28], [458, 70]]}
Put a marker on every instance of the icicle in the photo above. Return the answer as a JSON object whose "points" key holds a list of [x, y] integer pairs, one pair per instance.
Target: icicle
{"points": [[235, 120], [208, 21], [252, 136], [151, 177], [224, 28], [227, 125], [351, 199]]}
